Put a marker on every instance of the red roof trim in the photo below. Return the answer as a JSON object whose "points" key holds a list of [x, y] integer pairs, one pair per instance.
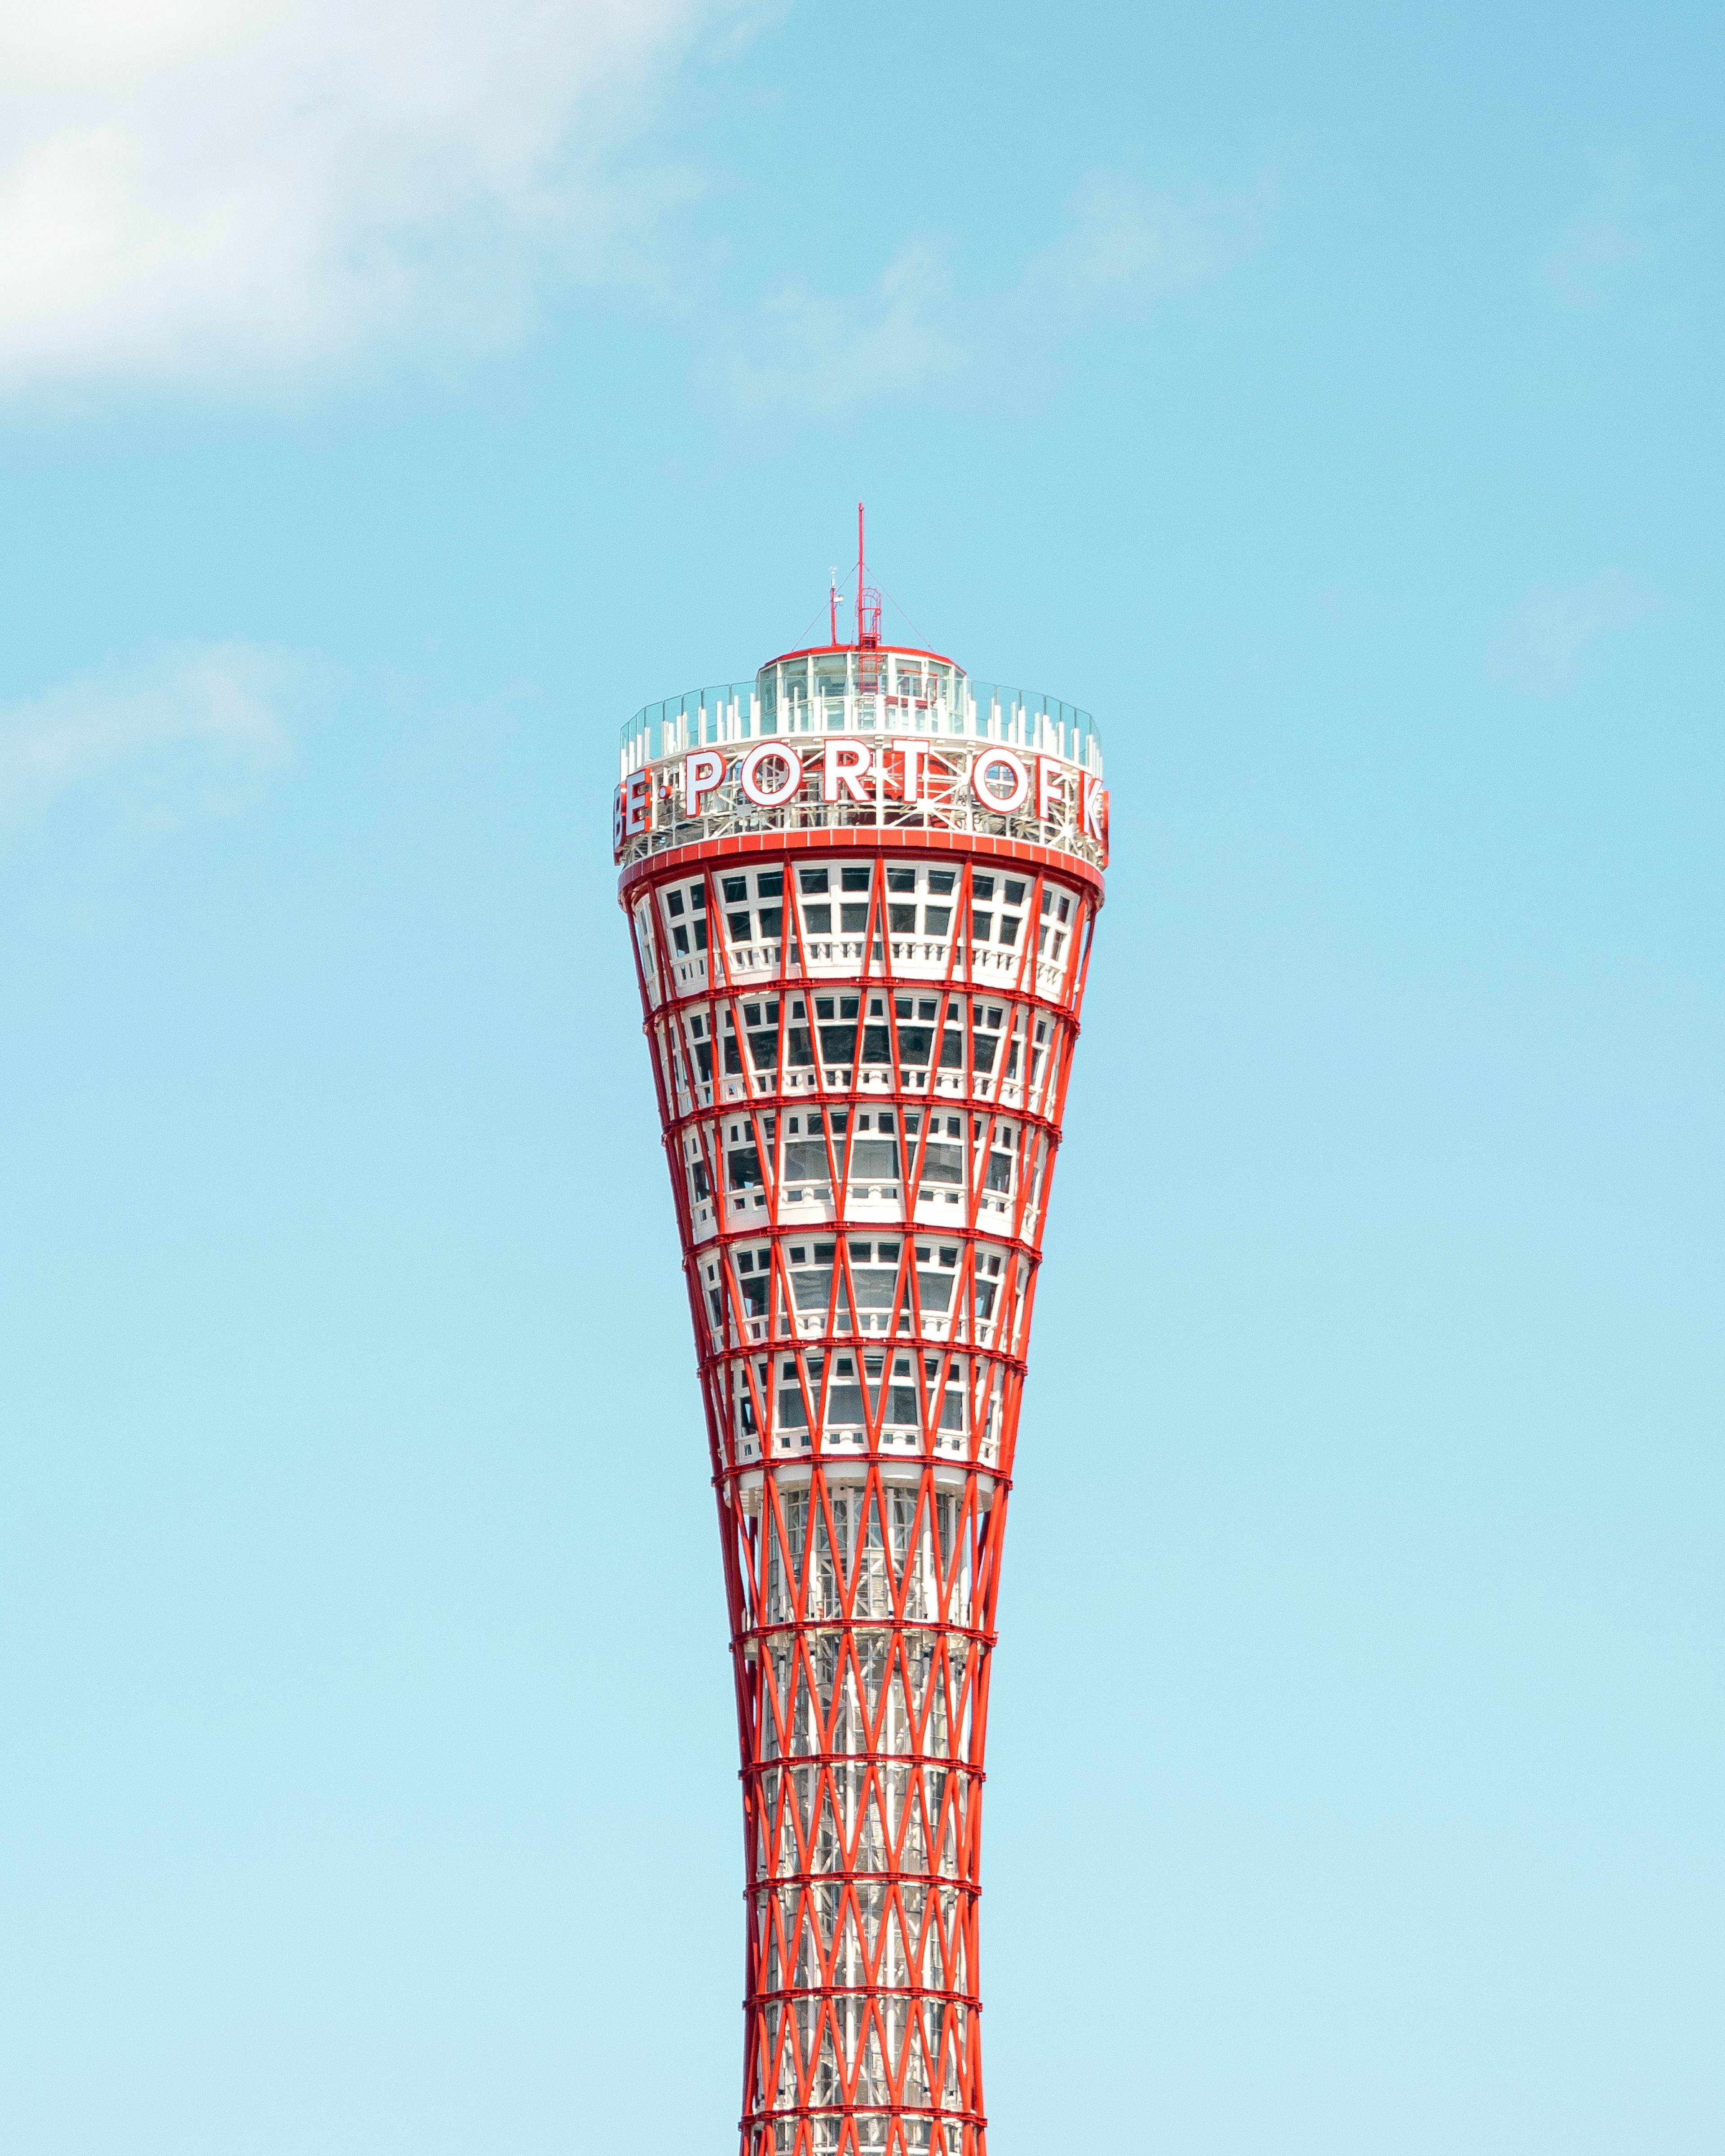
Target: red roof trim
{"points": [[677, 860], [827, 650]]}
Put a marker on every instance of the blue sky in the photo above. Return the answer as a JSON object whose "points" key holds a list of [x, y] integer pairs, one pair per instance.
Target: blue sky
{"points": [[391, 401]]}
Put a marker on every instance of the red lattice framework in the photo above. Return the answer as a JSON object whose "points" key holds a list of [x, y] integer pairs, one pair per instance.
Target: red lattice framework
{"points": [[861, 1236]]}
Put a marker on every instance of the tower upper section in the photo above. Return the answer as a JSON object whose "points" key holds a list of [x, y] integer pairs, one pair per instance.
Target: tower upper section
{"points": [[874, 739]]}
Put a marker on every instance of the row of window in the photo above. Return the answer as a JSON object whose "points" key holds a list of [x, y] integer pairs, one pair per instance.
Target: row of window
{"points": [[902, 880], [857, 1385], [685, 905], [837, 1039], [874, 1282], [841, 1157]]}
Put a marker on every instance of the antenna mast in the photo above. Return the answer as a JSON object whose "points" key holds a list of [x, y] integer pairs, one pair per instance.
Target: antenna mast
{"points": [[868, 602]]}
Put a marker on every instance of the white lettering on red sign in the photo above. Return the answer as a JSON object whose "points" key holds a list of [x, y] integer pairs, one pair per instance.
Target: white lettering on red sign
{"points": [[749, 776], [703, 773], [846, 764], [771, 773], [915, 754], [1017, 781]]}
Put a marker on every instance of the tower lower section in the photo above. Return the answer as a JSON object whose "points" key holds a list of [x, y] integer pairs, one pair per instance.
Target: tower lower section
{"points": [[863, 1650]]}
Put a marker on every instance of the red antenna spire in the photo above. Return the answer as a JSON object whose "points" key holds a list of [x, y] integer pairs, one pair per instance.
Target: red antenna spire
{"points": [[868, 601]]}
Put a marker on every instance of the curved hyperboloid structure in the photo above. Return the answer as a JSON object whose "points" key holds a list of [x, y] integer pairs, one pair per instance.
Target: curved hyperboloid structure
{"points": [[862, 889]]}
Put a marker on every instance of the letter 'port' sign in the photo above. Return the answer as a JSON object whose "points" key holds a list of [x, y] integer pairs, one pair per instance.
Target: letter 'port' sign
{"points": [[789, 787]]}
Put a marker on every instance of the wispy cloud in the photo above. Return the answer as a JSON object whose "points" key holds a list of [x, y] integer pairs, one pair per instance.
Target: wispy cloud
{"points": [[1545, 644], [1123, 245], [232, 190], [812, 353], [1614, 234], [198, 735], [807, 353]]}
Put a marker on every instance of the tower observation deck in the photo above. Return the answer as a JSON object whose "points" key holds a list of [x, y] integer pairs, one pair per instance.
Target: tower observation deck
{"points": [[861, 890]]}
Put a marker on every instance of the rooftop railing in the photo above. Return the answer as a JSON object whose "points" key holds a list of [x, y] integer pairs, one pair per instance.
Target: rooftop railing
{"points": [[735, 712]]}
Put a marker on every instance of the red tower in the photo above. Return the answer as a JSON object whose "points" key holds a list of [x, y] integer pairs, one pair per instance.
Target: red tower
{"points": [[862, 890]]}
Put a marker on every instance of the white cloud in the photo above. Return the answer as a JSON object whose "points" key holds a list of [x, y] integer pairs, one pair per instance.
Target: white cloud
{"points": [[222, 189], [805, 353], [1123, 246], [1555, 630], [1610, 238], [198, 735]]}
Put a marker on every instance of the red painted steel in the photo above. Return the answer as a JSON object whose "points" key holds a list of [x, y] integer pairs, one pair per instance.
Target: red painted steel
{"points": [[862, 1411]]}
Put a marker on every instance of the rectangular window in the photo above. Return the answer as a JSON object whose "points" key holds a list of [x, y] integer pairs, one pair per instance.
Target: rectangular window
{"points": [[940, 882], [936, 919], [742, 1169], [943, 1163], [981, 927], [805, 1161], [953, 1051], [874, 1289], [680, 937], [770, 883], [813, 1290], [674, 903], [982, 886], [877, 1044], [1000, 1176], [901, 920], [772, 922], [981, 1048], [703, 1189], [856, 879], [820, 919], [755, 1292], [873, 1160], [736, 888], [914, 1043], [985, 1292], [935, 1291], [763, 1050], [837, 1043], [738, 925], [792, 1413], [853, 919], [700, 933], [1008, 928], [812, 880], [704, 1061], [902, 879], [799, 1050], [1014, 893]]}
